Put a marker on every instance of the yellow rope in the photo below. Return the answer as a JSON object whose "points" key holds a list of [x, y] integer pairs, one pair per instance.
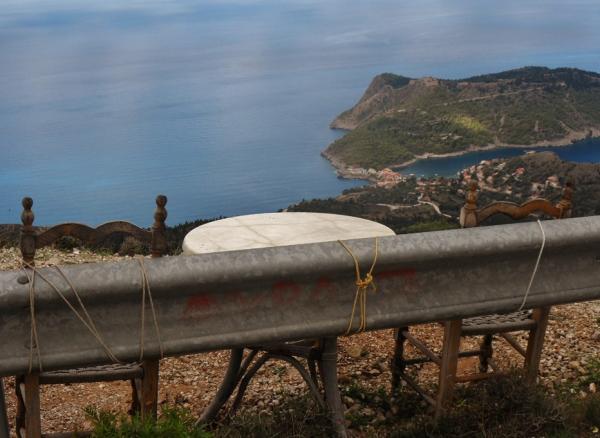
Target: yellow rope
{"points": [[33, 334], [146, 290], [83, 315], [89, 324], [362, 284]]}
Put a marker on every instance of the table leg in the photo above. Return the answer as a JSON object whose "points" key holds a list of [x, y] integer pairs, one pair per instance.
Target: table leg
{"points": [[227, 387], [330, 385], [3, 416]]}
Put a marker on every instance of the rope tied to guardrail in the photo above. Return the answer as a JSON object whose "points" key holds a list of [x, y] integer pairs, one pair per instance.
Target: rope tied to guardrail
{"points": [[362, 284], [146, 290], [535, 268], [89, 324], [83, 315], [33, 335]]}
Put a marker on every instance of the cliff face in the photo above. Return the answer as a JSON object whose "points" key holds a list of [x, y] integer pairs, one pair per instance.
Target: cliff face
{"points": [[398, 118], [380, 95]]}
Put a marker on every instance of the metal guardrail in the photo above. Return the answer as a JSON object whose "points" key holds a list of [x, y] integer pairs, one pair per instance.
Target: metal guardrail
{"points": [[231, 299]]}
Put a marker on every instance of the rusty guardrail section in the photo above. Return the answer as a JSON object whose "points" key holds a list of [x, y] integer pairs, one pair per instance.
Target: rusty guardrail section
{"points": [[222, 300]]}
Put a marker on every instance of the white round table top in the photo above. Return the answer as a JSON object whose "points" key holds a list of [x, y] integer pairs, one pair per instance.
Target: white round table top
{"points": [[278, 229]]}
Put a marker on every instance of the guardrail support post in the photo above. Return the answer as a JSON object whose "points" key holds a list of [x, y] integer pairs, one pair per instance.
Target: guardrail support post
{"points": [[330, 383]]}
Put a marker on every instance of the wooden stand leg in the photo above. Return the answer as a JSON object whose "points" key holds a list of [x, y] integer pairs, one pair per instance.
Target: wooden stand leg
{"points": [[486, 353], [28, 419], [535, 344], [3, 416], [227, 387], [398, 364], [20, 417], [136, 396], [449, 364], [328, 367], [149, 393]]}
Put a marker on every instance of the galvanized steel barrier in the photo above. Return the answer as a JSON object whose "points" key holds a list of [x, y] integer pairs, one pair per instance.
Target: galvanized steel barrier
{"points": [[232, 299]]}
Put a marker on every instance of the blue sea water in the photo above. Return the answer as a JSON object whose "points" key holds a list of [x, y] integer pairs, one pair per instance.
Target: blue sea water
{"points": [[224, 105], [585, 151]]}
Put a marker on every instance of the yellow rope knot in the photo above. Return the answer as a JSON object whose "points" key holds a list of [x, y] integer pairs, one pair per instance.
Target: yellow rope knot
{"points": [[362, 284], [366, 282]]}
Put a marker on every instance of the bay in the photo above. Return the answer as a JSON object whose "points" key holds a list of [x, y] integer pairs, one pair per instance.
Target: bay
{"points": [[224, 105], [585, 151]]}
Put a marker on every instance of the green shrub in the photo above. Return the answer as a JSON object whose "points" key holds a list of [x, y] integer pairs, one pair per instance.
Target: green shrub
{"points": [[294, 417], [498, 407], [172, 423], [131, 246]]}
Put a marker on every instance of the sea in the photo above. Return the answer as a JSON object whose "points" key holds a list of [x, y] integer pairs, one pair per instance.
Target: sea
{"points": [[224, 105]]}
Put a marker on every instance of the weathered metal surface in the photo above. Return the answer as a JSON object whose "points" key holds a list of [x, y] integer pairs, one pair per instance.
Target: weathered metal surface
{"points": [[238, 298]]}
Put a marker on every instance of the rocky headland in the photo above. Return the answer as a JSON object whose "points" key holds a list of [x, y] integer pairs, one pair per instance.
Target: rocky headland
{"points": [[399, 120]]}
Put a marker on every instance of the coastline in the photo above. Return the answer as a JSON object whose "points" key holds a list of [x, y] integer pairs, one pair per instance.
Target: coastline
{"points": [[343, 170]]}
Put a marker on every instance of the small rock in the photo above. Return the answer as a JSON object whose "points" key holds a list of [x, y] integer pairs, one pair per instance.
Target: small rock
{"points": [[344, 379], [596, 336], [349, 401], [380, 365], [354, 351], [368, 412], [574, 364], [54, 261], [592, 388], [354, 408]]}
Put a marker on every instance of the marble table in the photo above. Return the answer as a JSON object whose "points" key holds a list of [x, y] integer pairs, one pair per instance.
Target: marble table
{"points": [[281, 229], [278, 229]]}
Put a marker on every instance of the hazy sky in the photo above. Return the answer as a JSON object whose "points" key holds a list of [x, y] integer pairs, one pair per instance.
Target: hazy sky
{"points": [[426, 34]]}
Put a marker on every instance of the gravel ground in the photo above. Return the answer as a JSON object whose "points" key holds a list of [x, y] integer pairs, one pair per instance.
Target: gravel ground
{"points": [[572, 341]]}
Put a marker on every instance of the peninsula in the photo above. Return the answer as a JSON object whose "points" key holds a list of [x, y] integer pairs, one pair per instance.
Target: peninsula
{"points": [[399, 119]]}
